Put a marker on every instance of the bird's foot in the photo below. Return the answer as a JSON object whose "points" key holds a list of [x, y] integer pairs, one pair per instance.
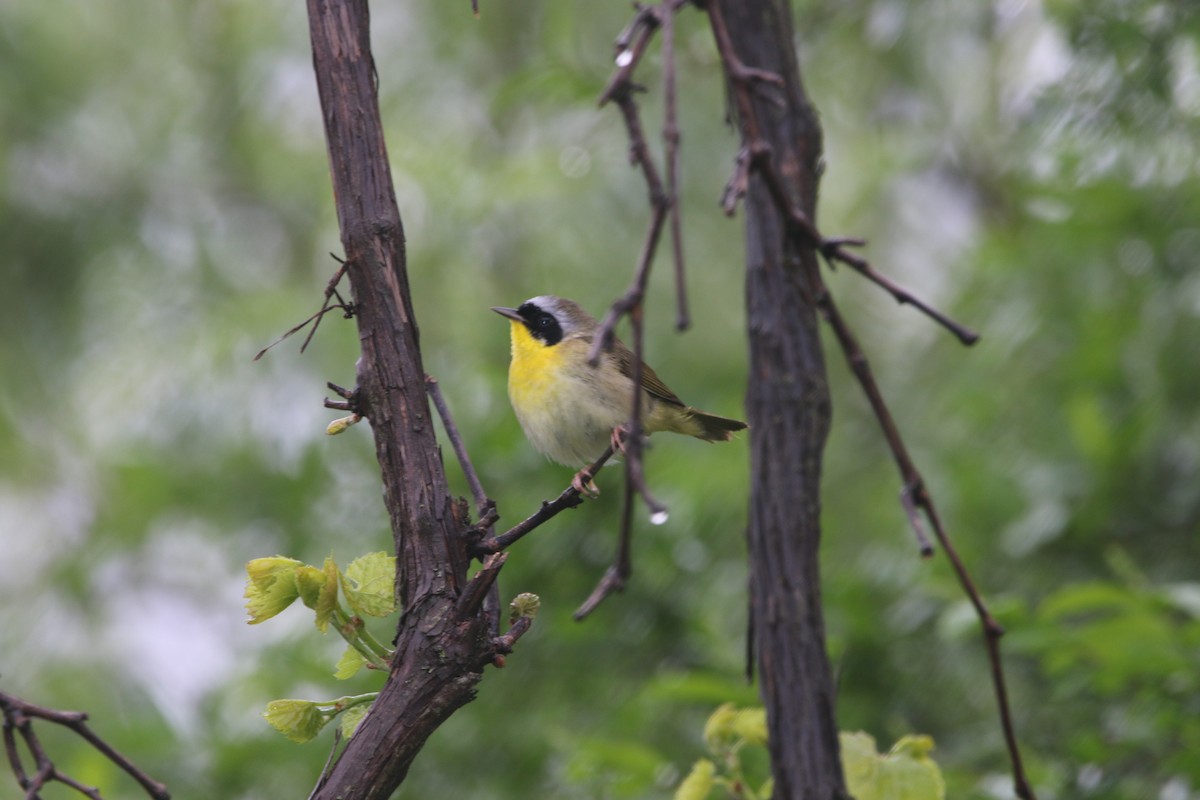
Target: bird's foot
{"points": [[582, 483], [617, 440]]}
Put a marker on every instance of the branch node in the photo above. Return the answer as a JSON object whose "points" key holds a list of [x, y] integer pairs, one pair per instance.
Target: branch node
{"points": [[470, 601], [612, 581]]}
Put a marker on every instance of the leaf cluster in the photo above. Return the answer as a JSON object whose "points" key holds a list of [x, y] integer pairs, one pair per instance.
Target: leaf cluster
{"points": [[368, 588], [905, 772]]}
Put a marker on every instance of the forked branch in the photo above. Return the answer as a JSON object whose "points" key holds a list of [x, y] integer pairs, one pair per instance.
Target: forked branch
{"points": [[19, 716]]}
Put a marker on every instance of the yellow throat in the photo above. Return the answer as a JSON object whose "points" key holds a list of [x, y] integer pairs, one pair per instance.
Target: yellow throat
{"points": [[534, 369]]}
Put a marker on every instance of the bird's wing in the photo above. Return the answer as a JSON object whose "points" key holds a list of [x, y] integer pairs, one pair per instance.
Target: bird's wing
{"points": [[650, 381]]}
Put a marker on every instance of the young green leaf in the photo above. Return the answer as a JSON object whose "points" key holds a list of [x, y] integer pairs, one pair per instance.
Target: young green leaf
{"points": [[905, 773], [349, 664], [718, 730], [698, 783], [298, 720], [327, 600], [751, 725], [352, 717], [271, 587], [309, 582], [369, 584]]}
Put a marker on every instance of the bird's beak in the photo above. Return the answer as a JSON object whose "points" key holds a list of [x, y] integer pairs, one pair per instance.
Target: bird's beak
{"points": [[511, 313]]}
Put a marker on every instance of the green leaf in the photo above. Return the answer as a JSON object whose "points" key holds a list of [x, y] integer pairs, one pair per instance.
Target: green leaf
{"points": [[860, 764], [718, 730], [916, 746], [310, 582], [750, 724], [327, 600], [298, 720], [698, 783], [271, 587], [349, 664], [905, 773], [369, 583], [1084, 598], [352, 718]]}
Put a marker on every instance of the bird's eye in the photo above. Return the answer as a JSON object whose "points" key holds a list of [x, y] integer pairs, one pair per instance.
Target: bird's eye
{"points": [[544, 322]]}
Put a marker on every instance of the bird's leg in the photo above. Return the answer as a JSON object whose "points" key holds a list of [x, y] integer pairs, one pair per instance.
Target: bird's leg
{"points": [[619, 434], [582, 483]]}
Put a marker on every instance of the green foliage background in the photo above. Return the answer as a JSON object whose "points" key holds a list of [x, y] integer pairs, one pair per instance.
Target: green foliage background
{"points": [[1031, 167]]}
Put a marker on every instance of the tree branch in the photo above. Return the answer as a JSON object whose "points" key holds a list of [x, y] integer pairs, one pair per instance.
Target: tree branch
{"points": [[569, 498], [460, 449], [18, 718]]}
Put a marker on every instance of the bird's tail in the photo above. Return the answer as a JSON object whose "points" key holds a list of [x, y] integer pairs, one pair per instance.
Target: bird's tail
{"points": [[712, 428]]}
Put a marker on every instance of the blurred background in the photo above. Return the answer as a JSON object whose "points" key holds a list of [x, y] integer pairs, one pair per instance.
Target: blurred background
{"points": [[165, 211]]}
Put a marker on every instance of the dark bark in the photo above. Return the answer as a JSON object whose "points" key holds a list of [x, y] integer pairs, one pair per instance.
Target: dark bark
{"points": [[440, 651], [788, 406]]}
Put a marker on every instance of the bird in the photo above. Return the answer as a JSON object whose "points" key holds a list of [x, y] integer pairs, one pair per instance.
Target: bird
{"points": [[570, 410]]}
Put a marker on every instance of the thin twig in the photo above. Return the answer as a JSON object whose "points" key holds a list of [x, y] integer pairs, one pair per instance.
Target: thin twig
{"points": [[617, 575], [632, 41], [755, 155], [349, 401], [671, 138], [324, 776], [634, 439], [327, 306], [569, 498], [914, 519], [456, 441], [19, 715], [640, 155], [834, 250], [504, 644], [331, 291]]}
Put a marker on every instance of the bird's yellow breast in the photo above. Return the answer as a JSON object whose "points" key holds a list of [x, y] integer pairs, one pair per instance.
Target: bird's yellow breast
{"points": [[534, 370], [566, 407]]}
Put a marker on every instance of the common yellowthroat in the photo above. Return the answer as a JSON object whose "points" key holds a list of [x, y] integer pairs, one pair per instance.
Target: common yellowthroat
{"points": [[570, 410]]}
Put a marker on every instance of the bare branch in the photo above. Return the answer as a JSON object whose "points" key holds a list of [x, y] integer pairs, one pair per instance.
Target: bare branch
{"points": [[19, 715], [612, 582], [460, 449], [671, 137], [570, 498], [330, 293], [504, 644]]}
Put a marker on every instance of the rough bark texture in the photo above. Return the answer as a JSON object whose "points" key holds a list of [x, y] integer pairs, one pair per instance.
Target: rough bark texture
{"points": [[439, 654], [788, 406]]}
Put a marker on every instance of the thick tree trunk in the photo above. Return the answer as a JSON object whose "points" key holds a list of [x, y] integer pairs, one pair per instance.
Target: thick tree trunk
{"points": [[440, 651], [789, 410]]}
